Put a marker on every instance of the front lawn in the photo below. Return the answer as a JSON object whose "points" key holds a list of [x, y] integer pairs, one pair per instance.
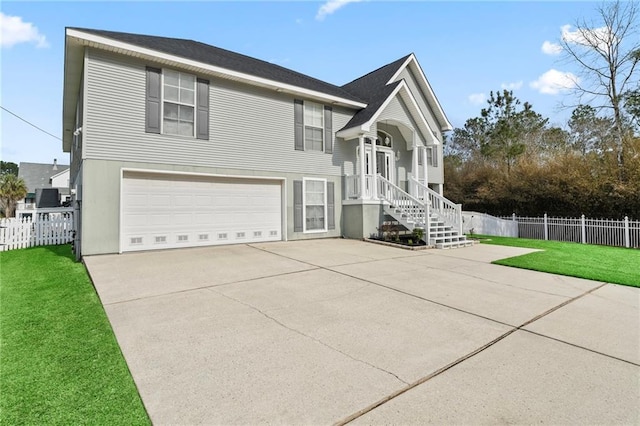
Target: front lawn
{"points": [[601, 263], [59, 360]]}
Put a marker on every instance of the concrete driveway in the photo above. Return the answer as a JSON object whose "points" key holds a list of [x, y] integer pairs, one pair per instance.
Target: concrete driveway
{"points": [[334, 331]]}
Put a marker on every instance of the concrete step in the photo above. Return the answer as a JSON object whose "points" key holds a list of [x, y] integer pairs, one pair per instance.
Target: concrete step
{"points": [[453, 244]]}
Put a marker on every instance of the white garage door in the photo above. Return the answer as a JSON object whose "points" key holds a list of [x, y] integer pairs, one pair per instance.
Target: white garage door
{"points": [[165, 211]]}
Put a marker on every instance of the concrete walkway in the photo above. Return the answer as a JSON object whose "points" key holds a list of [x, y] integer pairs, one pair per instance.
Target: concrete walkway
{"points": [[337, 331]]}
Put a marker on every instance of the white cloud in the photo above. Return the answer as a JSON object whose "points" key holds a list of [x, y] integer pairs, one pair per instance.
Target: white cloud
{"points": [[553, 82], [598, 37], [512, 86], [13, 31], [549, 48], [331, 6], [477, 98]]}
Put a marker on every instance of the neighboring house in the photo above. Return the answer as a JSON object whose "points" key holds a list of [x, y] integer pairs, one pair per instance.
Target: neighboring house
{"points": [[39, 177], [175, 143]]}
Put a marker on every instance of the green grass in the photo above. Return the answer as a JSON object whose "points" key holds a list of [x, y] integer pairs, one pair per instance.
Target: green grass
{"points": [[59, 360], [601, 263]]}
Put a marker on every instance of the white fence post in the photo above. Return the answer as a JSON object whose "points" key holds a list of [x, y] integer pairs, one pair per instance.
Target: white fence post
{"points": [[584, 231], [627, 242], [546, 227], [513, 217]]}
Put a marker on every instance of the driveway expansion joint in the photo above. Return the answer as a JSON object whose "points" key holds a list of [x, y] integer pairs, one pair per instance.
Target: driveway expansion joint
{"points": [[315, 339], [441, 370], [205, 287]]}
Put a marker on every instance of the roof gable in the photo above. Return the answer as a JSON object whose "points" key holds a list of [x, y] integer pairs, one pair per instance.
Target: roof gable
{"points": [[378, 86], [412, 64]]}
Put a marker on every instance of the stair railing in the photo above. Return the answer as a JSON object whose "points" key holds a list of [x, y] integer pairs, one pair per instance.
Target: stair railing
{"points": [[411, 207], [445, 209]]}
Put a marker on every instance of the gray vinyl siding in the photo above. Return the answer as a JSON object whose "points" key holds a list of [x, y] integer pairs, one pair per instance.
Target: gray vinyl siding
{"points": [[249, 128], [411, 81], [436, 174], [396, 110], [76, 143]]}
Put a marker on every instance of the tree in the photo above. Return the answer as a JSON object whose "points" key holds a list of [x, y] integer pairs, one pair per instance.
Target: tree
{"points": [[588, 132], [632, 106], [8, 167], [607, 54], [12, 189], [505, 129]]}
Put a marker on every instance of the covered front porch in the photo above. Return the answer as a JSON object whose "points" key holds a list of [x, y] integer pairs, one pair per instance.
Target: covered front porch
{"points": [[392, 182]]}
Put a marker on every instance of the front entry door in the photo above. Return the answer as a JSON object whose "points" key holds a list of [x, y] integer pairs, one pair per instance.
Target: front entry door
{"points": [[382, 164]]}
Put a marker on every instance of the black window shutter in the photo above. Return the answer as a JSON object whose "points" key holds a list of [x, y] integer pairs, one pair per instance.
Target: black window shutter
{"points": [[202, 115], [328, 129], [298, 113], [331, 210], [297, 206], [152, 111]]}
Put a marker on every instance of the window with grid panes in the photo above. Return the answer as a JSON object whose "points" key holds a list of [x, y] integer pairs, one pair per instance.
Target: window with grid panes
{"points": [[313, 126], [179, 95]]}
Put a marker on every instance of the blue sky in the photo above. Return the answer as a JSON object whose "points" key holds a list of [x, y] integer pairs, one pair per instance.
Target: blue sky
{"points": [[466, 49]]}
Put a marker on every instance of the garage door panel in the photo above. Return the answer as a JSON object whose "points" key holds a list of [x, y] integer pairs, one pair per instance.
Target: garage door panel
{"points": [[161, 211]]}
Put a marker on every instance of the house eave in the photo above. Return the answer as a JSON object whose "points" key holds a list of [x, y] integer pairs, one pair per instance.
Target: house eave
{"points": [[104, 43]]}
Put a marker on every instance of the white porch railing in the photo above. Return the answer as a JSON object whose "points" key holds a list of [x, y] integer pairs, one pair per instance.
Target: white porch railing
{"points": [[446, 210], [415, 211], [353, 187]]}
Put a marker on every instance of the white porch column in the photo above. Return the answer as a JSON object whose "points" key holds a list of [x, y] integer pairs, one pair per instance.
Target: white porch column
{"points": [[425, 169], [362, 166], [374, 169], [414, 167]]}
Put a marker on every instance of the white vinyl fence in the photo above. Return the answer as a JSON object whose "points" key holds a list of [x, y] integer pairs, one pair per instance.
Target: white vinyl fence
{"points": [[608, 232], [482, 223], [42, 229]]}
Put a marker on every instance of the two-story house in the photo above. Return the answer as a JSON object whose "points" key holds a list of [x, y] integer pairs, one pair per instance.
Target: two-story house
{"points": [[176, 143]]}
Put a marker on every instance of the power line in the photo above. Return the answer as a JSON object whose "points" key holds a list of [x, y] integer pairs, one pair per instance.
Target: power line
{"points": [[29, 123]]}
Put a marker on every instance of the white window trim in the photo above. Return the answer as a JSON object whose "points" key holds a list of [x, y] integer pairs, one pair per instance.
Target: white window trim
{"points": [[304, 206], [304, 125], [434, 156], [195, 103]]}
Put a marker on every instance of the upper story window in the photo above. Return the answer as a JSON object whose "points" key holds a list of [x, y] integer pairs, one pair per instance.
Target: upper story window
{"points": [[179, 97], [177, 103], [313, 126]]}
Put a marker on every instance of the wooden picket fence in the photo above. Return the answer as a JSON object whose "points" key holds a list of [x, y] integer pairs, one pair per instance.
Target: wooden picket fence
{"points": [[43, 229]]}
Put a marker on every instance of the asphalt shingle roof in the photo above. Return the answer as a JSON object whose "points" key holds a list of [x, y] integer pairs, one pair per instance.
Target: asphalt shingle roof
{"points": [[37, 175], [226, 59], [374, 90]]}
